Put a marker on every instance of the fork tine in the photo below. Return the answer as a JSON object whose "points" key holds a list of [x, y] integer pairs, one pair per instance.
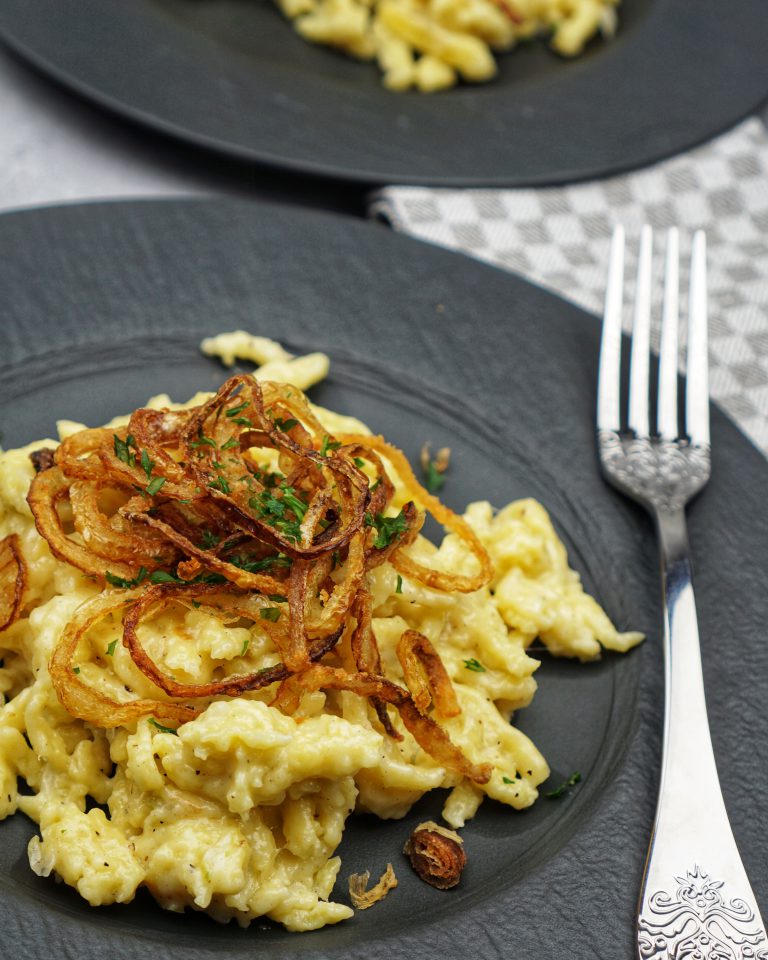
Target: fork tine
{"points": [[697, 386], [667, 411], [641, 328], [608, 416]]}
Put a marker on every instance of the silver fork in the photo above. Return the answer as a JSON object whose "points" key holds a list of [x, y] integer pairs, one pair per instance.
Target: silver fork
{"points": [[695, 899]]}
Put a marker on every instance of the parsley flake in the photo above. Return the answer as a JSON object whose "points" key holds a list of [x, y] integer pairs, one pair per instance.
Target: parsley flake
{"points": [[285, 425], [434, 468], [387, 528], [328, 444], [270, 613], [245, 646], [124, 584], [234, 442], [111, 647], [220, 483], [123, 451], [146, 464], [155, 485], [233, 411], [474, 665], [263, 563], [75, 669], [162, 576], [162, 728], [565, 787], [399, 587], [433, 479], [274, 510]]}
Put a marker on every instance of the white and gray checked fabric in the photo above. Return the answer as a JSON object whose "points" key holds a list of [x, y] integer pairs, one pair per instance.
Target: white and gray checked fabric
{"points": [[559, 237]]}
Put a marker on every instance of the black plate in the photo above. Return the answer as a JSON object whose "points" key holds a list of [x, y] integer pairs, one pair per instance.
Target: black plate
{"points": [[104, 304], [233, 76]]}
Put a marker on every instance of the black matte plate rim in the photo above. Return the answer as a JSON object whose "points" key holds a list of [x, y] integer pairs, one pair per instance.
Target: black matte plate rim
{"points": [[671, 122]]}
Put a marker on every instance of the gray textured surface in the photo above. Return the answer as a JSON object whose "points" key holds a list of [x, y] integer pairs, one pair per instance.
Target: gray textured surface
{"points": [[56, 147], [523, 365]]}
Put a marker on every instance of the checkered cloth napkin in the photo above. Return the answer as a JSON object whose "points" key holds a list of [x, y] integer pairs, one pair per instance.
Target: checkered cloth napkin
{"points": [[559, 238]]}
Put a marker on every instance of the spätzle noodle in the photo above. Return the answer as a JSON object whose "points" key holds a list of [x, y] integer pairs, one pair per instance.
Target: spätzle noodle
{"points": [[429, 45]]}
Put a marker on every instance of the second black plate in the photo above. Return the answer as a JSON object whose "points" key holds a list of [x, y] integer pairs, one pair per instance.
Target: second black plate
{"points": [[232, 75]]}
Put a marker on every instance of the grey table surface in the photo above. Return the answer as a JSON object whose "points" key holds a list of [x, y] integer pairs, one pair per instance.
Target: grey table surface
{"points": [[56, 147]]}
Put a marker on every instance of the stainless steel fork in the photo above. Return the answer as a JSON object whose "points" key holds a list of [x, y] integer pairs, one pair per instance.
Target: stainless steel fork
{"points": [[695, 899]]}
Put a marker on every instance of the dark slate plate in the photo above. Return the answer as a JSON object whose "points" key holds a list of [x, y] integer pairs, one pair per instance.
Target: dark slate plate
{"points": [[232, 75], [104, 304]]}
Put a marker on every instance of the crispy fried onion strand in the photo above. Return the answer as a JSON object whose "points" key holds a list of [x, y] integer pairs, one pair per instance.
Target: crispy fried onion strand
{"points": [[83, 701], [228, 607], [430, 737], [245, 507], [13, 580], [437, 580], [425, 675], [47, 490]]}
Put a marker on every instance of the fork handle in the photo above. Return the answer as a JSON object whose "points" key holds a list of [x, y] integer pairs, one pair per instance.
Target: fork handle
{"points": [[695, 893]]}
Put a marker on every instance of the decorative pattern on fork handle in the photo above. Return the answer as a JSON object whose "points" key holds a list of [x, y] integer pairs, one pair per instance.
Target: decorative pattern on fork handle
{"points": [[698, 923], [669, 472], [662, 468]]}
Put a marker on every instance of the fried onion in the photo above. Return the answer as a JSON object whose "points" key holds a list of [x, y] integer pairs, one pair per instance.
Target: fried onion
{"points": [[13, 580], [246, 507]]}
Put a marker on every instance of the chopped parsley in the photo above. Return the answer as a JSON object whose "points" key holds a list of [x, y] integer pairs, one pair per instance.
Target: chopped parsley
{"points": [[161, 728], [234, 442], [474, 665], [124, 584], [285, 425], [111, 647], [565, 787], [220, 483], [209, 540], [277, 598], [274, 511], [147, 464], [358, 462], [123, 449], [270, 613], [399, 587], [162, 576], [202, 441], [245, 646], [263, 563], [328, 444], [433, 479], [375, 485], [387, 528], [155, 485], [75, 669], [434, 469], [233, 411]]}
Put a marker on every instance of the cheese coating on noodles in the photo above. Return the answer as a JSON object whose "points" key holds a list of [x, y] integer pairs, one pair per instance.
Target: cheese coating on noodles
{"points": [[240, 812]]}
